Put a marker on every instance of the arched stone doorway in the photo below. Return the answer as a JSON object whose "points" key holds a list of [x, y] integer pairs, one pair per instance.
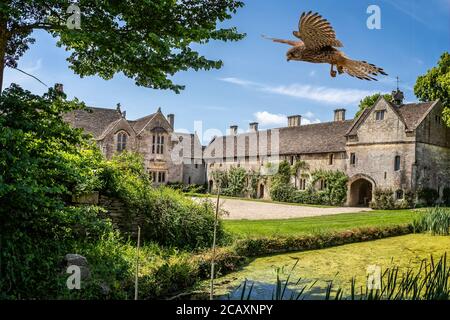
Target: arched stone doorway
{"points": [[261, 191], [360, 191]]}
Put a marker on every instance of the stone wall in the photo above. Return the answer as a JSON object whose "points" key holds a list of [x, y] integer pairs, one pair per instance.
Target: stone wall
{"points": [[377, 161], [433, 167], [119, 215]]}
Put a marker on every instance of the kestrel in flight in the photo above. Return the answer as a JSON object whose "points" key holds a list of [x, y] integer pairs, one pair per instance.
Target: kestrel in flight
{"points": [[318, 45]]}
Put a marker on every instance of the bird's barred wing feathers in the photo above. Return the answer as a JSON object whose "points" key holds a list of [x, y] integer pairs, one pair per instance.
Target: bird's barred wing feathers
{"points": [[362, 69], [316, 32]]}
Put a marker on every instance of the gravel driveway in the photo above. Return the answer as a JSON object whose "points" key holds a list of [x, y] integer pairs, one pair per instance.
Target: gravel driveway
{"points": [[254, 210]]}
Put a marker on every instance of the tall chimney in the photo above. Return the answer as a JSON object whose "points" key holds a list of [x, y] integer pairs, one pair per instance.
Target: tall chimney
{"points": [[294, 121], [233, 130], [339, 115], [171, 119], [253, 126]]}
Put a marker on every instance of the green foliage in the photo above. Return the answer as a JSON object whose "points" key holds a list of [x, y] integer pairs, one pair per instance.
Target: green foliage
{"points": [[237, 180], [148, 41], [188, 188], [281, 188], [428, 195], [369, 101], [335, 192], [283, 192], [383, 199], [251, 247], [435, 84], [435, 220], [43, 161]]}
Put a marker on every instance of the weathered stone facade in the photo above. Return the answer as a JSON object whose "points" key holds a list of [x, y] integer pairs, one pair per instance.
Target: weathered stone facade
{"points": [[169, 156], [391, 145]]}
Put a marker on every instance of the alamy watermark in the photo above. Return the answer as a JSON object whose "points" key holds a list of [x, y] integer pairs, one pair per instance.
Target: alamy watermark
{"points": [[374, 20], [374, 277]]}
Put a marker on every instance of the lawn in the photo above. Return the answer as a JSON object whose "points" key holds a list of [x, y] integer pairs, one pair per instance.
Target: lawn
{"points": [[339, 264], [311, 225]]}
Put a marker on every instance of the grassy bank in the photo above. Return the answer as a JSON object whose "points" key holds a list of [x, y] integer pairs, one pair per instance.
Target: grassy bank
{"points": [[317, 225]]}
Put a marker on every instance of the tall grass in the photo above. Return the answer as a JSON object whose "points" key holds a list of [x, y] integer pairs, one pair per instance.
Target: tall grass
{"points": [[428, 282], [435, 221]]}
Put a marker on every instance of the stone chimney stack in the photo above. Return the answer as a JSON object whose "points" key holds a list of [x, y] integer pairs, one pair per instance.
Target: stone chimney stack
{"points": [[294, 121], [171, 119], [233, 130], [253, 126], [339, 115]]}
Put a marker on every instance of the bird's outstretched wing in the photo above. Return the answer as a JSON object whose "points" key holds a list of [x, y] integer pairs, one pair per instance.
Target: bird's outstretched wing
{"points": [[316, 32], [289, 42], [362, 69]]}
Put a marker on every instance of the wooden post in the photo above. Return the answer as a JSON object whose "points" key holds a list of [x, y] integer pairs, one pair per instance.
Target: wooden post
{"points": [[211, 295], [137, 265]]}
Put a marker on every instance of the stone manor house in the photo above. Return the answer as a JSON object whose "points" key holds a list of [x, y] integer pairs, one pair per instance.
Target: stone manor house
{"points": [[389, 145]]}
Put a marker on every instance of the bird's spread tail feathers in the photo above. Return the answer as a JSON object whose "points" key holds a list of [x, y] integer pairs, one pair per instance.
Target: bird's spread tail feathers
{"points": [[362, 69]]}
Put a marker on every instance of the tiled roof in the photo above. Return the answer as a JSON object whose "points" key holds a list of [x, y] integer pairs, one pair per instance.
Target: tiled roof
{"points": [[412, 113], [140, 123], [311, 138]]}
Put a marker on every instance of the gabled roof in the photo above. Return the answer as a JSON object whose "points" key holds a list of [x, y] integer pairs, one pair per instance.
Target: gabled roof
{"points": [[414, 113], [139, 124], [411, 114], [93, 120]]}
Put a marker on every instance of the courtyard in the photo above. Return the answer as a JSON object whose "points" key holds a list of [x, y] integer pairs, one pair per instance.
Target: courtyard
{"points": [[246, 209]]}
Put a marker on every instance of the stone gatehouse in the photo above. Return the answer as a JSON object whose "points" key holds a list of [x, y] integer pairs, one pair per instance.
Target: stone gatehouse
{"points": [[390, 145]]}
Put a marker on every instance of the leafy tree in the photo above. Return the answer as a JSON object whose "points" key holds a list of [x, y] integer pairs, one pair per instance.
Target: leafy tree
{"points": [[43, 161], [148, 41], [370, 100], [435, 84]]}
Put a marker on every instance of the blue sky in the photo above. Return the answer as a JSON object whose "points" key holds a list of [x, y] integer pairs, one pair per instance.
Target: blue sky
{"points": [[256, 82]]}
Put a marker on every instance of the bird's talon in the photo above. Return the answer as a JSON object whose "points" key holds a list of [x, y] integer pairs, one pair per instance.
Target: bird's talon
{"points": [[333, 73]]}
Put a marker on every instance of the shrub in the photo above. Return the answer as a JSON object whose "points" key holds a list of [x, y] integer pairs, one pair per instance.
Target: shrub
{"points": [[383, 199], [428, 195], [236, 182], [166, 216], [435, 220], [187, 188], [283, 192], [262, 246]]}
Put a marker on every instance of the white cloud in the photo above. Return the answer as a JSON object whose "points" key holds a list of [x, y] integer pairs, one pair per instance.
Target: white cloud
{"points": [[266, 118], [309, 121], [309, 114], [320, 94], [315, 93], [240, 82]]}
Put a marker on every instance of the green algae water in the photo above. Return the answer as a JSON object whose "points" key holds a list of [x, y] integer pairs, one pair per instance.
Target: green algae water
{"points": [[338, 264]]}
